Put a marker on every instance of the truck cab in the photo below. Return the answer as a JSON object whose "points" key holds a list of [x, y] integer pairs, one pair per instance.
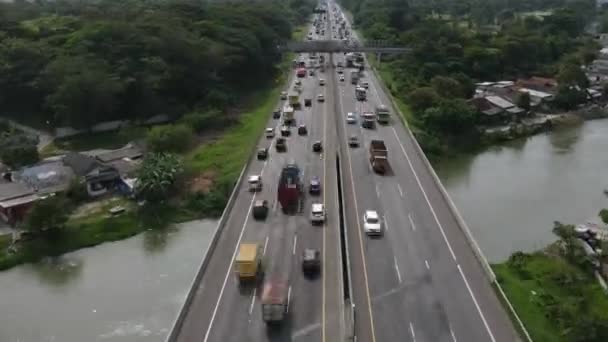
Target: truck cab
{"points": [[383, 114], [360, 93], [368, 120]]}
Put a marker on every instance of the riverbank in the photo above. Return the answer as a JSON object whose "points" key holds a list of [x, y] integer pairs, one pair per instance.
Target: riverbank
{"points": [[556, 301]]}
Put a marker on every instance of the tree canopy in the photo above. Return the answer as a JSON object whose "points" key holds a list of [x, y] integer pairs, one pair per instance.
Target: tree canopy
{"points": [[79, 63]]}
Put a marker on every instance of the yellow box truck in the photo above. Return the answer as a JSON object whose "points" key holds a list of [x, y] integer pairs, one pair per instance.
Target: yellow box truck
{"points": [[248, 261]]}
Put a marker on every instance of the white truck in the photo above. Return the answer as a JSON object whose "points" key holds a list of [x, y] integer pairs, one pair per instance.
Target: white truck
{"points": [[288, 114]]}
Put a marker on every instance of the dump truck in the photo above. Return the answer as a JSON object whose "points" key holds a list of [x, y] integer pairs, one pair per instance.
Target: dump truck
{"points": [[288, 115], [248, 262], [378, 156], [360, 94], [368, 120], [290, 187], [354, 76], [275, 301], [294, 100], [382, 114]]}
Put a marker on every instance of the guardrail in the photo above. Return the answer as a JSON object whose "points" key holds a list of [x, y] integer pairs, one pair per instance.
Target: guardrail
{"points": [[461, 223], [179, 320]]}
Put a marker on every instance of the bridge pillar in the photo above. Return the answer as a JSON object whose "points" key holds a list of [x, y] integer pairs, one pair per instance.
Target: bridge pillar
{"points": [[379, 57]]}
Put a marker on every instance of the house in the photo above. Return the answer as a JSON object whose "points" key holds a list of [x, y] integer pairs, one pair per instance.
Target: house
{"points": [[47, 177], [541, 84], [99, 178], [15, 201], [495, 109], [126, 160]]}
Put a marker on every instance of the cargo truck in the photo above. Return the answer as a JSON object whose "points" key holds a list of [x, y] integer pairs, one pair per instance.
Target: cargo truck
{"points": [[382, 113], [354, 76], [294, 100], [248, 262], [360, 94], [290, 188], [368, 120], [275, 301], [288, 115], [378, 156]]}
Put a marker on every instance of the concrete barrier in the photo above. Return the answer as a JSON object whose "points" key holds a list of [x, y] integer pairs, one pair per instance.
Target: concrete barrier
{"points": [[201, 269], [461, 223]]}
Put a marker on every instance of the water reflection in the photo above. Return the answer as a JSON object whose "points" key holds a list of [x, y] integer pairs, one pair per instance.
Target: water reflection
{"points": [[58, 271], [156, 240], [563, 140]]}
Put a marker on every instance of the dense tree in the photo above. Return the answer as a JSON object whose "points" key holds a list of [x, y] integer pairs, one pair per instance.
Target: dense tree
{"points": [[604, 215], [17, 156], [447, 86], [158, 176], [78, 63], [422, 98], [48, 213], [169, 138]]}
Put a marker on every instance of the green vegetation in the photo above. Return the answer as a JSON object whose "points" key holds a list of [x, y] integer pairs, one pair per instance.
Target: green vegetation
{"points": [[76, 64], [554, 291], [157, 177], [18, 148], [104, 140], [448, 57], [170, 138]]}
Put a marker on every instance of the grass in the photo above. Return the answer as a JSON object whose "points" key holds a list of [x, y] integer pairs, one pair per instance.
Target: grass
{"points": [[533, 291], [5, 240], [105, 140]]}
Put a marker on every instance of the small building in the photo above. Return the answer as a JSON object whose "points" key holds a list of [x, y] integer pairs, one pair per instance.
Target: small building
{"points": [[46, 177], [16, 199], [496, 110]]}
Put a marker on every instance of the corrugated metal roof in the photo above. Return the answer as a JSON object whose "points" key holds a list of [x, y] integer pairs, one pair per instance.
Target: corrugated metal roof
{"points": [[499, 102]]}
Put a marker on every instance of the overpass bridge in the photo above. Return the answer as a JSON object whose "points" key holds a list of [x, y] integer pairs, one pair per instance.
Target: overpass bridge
{"points": [[337, 46]]}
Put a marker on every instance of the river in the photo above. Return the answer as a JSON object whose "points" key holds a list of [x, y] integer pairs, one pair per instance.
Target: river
{"points": [[511, 194], [127, 291]]}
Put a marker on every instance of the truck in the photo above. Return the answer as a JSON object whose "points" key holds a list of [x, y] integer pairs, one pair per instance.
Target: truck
{"points": [[368, 120], [294, 100], [275, 301], [378, 156], [354, 76], [288, 114], [382, 113], [248, 262], [290, 187], [301, 72], [360, 94], [350, 59]]}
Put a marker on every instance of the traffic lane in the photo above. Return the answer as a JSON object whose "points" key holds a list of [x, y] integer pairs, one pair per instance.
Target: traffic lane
{"points": [[452, 299], [204, 302], [472, 276], [364, 325]]}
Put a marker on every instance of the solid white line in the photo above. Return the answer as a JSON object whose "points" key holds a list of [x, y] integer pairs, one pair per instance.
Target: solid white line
{"points": [[288, 297], [453, 336], [399, 188], [483, 318], [426, 262], [397, 269], [409, 216], [265, 245], [252, 301], [295, 241], [412, 332], [377, 191], [424, 194]]}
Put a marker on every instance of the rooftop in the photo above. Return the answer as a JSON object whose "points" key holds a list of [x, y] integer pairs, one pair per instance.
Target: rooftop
{"points": [[128, 152], [47, 177], [14, 190], [499, 102]]}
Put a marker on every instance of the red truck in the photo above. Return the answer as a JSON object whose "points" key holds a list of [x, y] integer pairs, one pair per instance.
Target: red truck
{"points": [[301, 72], [378, 156], [290, 187], [275, 301]]}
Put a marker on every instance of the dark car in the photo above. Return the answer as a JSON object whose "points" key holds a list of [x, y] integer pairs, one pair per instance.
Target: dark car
{"points": [[281, 145], [317, 146], [311, 261], [315, 186], [302, 130], [276, 114], [260, 209], [307, 102], [285, 131], [263, 153]]}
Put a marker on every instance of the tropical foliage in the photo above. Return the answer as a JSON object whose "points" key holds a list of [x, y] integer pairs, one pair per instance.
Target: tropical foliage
{"points": [[157, 176]]}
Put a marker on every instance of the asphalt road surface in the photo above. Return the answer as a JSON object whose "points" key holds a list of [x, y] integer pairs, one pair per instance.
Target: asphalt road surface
{"points": [[222, 310], [420, 281]]}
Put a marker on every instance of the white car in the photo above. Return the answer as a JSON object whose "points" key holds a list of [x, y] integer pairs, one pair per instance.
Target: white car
{"points": [[298, 83], [365, 84], [371, 223], [320, 98], [255, 183], [283, 95], [317, 213], [341, 78], [269, 132], [350, 118], [321, 81]]}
